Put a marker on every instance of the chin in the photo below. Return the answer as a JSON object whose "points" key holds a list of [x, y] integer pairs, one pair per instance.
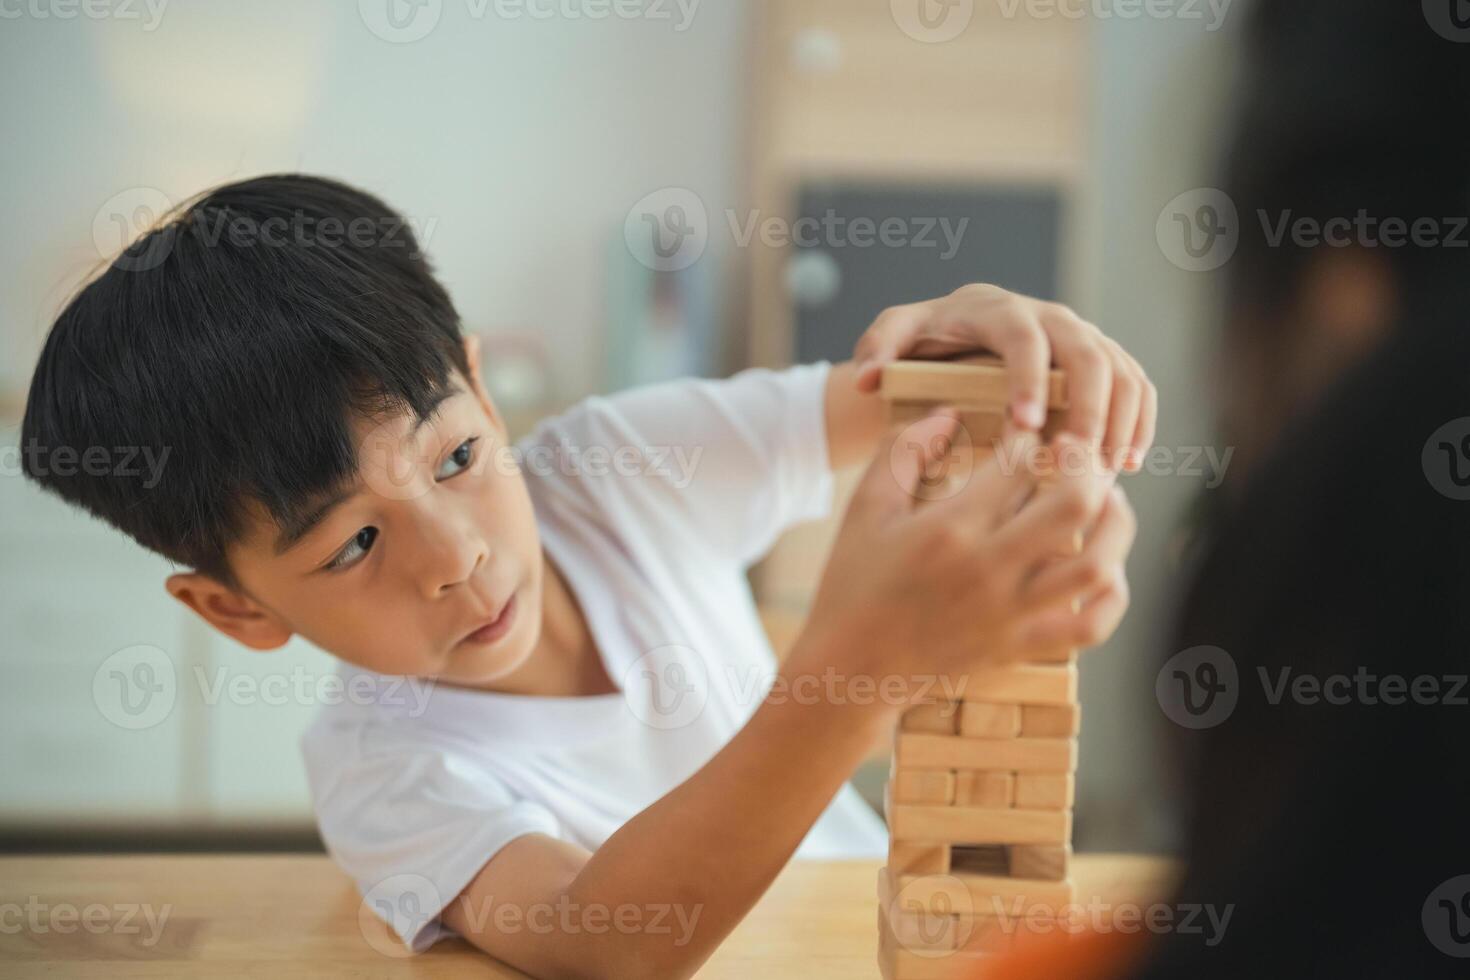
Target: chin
{"points": [[490, 666]]}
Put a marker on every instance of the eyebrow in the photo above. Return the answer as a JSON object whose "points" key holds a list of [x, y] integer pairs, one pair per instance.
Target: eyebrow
{"points": [[300, 525]]}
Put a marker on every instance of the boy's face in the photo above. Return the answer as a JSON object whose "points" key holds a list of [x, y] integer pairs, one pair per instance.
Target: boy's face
{"points": [[429, 565]]}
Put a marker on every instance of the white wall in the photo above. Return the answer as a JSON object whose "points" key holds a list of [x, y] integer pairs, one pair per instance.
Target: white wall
{"points": [[520, 145]]}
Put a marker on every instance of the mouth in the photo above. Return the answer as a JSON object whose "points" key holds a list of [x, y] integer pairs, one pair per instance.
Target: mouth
{"points": [[493, 629]]}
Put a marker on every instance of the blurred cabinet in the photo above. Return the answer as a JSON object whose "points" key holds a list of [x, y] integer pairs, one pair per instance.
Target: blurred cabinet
{"points": [[918, 111]]}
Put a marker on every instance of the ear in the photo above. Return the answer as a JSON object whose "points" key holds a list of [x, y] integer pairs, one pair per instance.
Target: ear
{"points": [[232, 613], [477, 382]]}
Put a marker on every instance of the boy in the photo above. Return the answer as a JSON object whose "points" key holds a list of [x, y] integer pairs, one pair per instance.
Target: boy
{"points": [[597, 756]]}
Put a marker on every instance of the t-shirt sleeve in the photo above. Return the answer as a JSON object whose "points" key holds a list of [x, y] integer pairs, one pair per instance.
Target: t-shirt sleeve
{"points": [[412, 824], [731, 463]]}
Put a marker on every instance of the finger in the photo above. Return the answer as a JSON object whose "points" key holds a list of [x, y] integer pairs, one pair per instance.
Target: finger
{"points": [[1148, 413], [998, 484], [892, 333], [1077, 348], [1087, 626], [1101, 559], [1072, 489], [1014, 332], [1125, 404], [910, 455]]}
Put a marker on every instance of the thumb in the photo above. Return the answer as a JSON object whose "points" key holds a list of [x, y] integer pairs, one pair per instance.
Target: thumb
{"points": [[908, 454]]}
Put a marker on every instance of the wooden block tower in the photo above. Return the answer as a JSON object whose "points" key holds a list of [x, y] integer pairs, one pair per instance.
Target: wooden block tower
{"points": [[979, 797]]}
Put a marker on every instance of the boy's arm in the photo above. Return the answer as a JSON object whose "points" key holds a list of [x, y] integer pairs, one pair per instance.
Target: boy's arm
{"points": [[1112, 401], [661, 894], [962, 581]]}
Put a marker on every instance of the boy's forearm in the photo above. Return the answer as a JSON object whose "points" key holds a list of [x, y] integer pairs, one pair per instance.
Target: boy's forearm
{"points": [[712, 846]]}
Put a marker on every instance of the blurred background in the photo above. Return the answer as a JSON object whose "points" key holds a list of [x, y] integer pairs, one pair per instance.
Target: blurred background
{"points": [[612, 193]]}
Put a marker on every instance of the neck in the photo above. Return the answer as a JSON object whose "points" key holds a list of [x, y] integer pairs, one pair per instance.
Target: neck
{"points": [[565, 661]]}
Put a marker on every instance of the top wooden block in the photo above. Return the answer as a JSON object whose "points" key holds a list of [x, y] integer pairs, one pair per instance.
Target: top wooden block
{"points": [[975, 383]]}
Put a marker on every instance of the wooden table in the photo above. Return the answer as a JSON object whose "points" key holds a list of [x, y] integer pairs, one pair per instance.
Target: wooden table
{"points": [[297, 916]]}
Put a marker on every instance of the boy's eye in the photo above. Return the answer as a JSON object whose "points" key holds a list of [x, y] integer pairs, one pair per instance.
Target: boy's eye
{"points": [[458, 461], [355, 549]]}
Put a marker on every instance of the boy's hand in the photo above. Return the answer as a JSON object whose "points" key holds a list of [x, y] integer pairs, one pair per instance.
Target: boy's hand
{"points": [[1113, 403], [985, 575]]}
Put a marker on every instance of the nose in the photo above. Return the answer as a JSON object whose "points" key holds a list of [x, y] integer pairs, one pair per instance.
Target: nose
{"points": [[452, 552]]}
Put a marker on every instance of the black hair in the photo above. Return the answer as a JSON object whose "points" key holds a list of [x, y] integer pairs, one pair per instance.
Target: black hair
{"points": [[1328, 827], [241, 336]]}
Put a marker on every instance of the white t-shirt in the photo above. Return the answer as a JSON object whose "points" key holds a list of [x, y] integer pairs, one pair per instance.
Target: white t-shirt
{"points": [[653, 503]]}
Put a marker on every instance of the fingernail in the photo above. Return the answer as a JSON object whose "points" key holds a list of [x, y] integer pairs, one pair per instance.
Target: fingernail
{"points": [[1027, 412]]}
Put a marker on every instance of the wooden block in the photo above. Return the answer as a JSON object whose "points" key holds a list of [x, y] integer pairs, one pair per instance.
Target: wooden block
{"points": [[995, 790], [1045, 791], [1051, 720], [1049, 862], [895, 962], [980, 382], [918, 858], [978, 825], [1024, 683], [921, 751], [978, 896], [985, 719], [940, 718], [932, 786]]}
